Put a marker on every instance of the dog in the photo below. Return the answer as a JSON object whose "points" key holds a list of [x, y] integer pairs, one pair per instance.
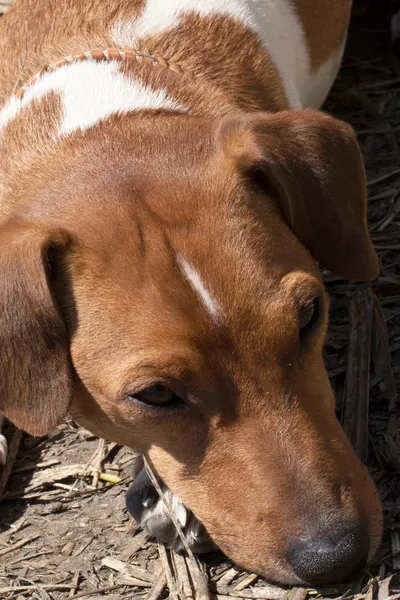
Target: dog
{"points": [[168, 192]]}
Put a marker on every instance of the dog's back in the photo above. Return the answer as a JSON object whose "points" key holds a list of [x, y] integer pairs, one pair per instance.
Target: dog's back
{"points": [[303, 41]]}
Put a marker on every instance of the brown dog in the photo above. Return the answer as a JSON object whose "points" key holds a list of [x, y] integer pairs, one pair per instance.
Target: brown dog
{"points": [[163, 210]]}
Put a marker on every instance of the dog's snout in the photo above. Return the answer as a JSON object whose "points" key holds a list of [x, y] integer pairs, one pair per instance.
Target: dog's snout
{"points": [[330, 557]]}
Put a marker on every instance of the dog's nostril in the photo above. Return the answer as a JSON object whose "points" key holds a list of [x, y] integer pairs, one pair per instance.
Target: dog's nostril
{"points": [[330, 558]]}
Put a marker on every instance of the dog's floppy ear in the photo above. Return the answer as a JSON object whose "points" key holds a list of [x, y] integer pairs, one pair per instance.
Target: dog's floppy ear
{"points": [[35, 370], [311, 164]]}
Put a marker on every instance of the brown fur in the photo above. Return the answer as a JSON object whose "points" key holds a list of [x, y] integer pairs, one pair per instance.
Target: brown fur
{"points": [[245, 77], [325, 25], [95, 307]]}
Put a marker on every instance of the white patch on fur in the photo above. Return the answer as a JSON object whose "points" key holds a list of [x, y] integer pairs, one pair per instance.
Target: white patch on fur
{"points": [[275, 21], [91, 92], [156, 513], [3, 443], [160, 15], [157, 517], [197, 284], [322, 79]]}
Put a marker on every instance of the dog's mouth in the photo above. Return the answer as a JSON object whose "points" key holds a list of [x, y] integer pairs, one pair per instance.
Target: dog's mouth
{"points": [[325, 550], [163, 516]]}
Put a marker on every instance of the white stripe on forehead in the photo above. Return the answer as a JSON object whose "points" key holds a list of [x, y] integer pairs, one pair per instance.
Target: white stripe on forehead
{"points": [[90, 92], [193, 277]]}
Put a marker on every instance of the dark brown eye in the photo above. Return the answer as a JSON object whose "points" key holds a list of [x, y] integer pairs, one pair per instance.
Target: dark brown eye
{"points": [[309, 316], [157, 395]]}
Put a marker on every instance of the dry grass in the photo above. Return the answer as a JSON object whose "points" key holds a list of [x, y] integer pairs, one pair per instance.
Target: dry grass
{"points": [[64, 531]]}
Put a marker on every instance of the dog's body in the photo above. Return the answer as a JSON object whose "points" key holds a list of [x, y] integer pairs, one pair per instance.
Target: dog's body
{"points": [[276, 54], [160, 222]]}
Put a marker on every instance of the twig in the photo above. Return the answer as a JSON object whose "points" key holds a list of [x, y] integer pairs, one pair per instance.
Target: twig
{"points": [[182, 575], [41, 465], [384, 588], [298, 594], [98, 591], [141, 575], [199, 578], [356, 393], [173, 592], [97, 464], [383, 177], [75, 583], [381, 353], [85, 469], [39, 588], [395, 544], [19, 544], [389, 217], [267, 592], [82, 548], [229, 576], [158, 587], [29, 557], [26, 588], [246, 582], [168, 508]]}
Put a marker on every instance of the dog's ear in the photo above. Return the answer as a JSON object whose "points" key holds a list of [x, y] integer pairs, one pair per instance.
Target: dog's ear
{"points": [[311, 165], [35, 369]]}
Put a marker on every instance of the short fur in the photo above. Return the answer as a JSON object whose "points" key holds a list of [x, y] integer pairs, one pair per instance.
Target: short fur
{"points": [[95, 305]]}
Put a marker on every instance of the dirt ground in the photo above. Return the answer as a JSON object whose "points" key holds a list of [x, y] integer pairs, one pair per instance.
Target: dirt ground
{"points": [[64, 529]]}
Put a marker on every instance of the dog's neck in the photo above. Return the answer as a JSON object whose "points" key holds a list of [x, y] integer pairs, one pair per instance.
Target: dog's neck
{"points": [[80, 95], [239, 59]]}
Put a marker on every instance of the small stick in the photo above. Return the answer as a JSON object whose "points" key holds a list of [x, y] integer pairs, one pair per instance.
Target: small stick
{"points": [[97, 464], [29, 557], [229, 576], [41, 465], [27, 588], [246, 582], [75, 582], [85, 469], [158, 587], [19, 544], [126, 569], [167, 506], [98, 591], [383, 177], [268, 592], [298, 594], [381, 353], [182, 575], [356, 393], [199, 578], [173, 592], [395, 544]]}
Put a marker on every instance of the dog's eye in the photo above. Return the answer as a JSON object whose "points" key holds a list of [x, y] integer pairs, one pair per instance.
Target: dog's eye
{"points": [[157, 395], [309, 316]]}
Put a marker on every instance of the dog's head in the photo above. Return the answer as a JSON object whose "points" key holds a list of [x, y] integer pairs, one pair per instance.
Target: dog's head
{"points": [[162, 285]]}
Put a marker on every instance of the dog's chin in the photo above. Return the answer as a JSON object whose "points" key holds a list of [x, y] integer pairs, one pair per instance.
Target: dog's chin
{"points": [[151, 513]]}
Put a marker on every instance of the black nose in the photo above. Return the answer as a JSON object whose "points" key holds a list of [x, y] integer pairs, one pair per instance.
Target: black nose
{"points": [[330, 558]]}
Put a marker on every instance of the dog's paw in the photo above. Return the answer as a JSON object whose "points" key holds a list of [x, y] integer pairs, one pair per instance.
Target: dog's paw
{"points": [[149, 511], [3, 450]]}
